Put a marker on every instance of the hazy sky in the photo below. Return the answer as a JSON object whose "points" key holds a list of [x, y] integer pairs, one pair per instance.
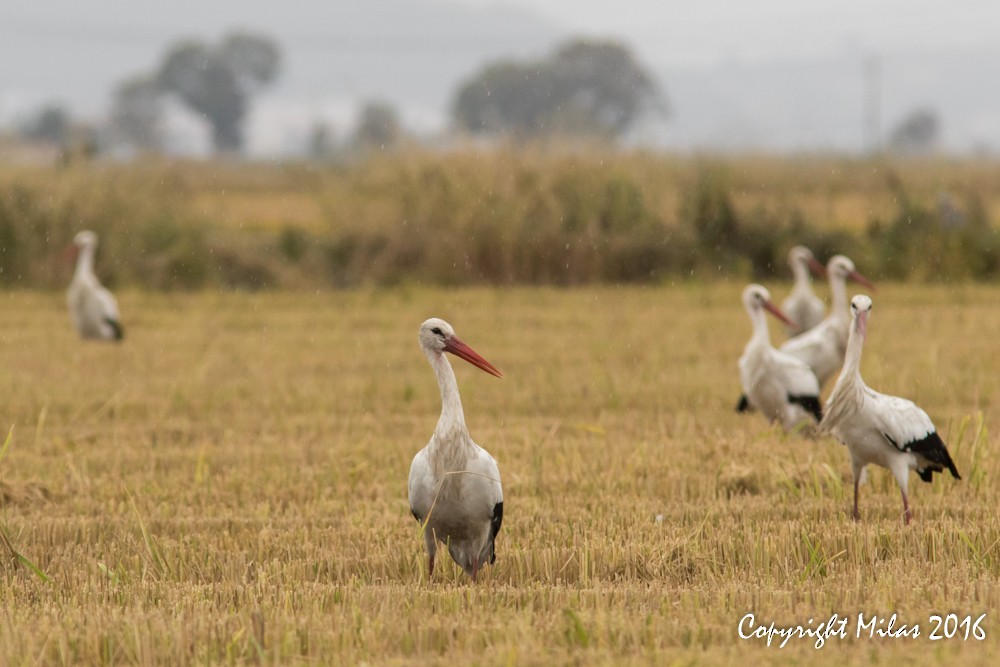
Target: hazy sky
{"points": [[792, 73], [784, 74], [680, 32]]}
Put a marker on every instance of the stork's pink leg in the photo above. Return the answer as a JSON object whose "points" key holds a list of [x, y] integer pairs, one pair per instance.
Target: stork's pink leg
{"points": [[475, 569], [430, 566], [857, 512], [906, 509]]}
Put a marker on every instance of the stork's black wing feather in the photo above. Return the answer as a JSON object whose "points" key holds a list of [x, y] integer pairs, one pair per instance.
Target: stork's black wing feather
{"points": [[495, 522], [811, 405], [116, 327], [931, 448]]}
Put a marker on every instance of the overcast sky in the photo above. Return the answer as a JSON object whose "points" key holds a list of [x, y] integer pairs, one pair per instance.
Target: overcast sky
{"points": [[680, 32], [773, 74]]}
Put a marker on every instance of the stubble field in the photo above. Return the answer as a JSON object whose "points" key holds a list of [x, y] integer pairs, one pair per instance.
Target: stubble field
{"points": [[229, 485]]}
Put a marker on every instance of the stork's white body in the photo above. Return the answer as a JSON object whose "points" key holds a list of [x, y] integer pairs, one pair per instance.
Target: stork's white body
{"points": [[888, 431], [780, 386], [871, 422], [468, 491], [803, 307], [92, 308], [822, 348], [454, 484]]}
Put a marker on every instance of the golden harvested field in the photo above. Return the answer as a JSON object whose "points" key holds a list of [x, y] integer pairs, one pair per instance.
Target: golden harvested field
{"points": [[229, 485]]}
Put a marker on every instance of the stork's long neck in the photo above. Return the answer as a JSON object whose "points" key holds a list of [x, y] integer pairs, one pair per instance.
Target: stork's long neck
{"points": [[85, 262], [451, 436], [838, 297], [761, 336], [801, 273], [843, 402], [852, 358]]}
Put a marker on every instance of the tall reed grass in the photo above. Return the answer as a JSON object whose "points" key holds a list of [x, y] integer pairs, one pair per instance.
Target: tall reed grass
{"points": [[498, 218]]}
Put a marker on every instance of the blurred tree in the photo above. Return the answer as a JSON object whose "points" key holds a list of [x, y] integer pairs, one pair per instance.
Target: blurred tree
{"points": [[218, 81], [586, 88], [137, 113], [916, 133], [50, 124], [378, 126], [603, 87], [322, 142]]}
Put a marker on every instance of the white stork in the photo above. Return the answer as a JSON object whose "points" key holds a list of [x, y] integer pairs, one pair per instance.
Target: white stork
{"points": [[886, 430], [454, 486], [822, 348], [92, 307], [802, 306], [779, 385]]}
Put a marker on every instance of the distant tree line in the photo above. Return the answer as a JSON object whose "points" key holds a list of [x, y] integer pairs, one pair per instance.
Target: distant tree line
{"points": [[215, 81], [586, 88]]}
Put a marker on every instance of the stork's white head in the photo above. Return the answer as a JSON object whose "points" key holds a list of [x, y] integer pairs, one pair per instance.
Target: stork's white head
{"points": [[841, 268], [861, 308], [802, 256], [433, 334], [437, 336], [757, 298], [85, 239]]}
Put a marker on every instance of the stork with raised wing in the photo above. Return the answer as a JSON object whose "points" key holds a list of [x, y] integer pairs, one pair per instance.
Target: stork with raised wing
{"points": [[885, 430], [454, 486], [802, 306], [822, 348], [777, 384], [92, 308]]}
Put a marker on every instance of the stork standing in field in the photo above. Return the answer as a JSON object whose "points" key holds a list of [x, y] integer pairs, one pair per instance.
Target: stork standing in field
{"points": [[802, 306], [822, 348], [886, 430], [93, 308], [454, 486], [777, 384]]}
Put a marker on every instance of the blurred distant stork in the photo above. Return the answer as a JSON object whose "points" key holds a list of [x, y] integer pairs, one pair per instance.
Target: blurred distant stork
{"points": [[822, 348], [92, 308], [802, 306], [777, 384]]}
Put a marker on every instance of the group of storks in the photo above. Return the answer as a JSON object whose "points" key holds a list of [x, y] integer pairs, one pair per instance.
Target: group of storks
{"points": [[454, 484], [784, 383]]}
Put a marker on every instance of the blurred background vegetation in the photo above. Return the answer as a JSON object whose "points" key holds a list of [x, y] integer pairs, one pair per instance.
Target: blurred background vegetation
{"points": [[537, 180], [496, 217]]}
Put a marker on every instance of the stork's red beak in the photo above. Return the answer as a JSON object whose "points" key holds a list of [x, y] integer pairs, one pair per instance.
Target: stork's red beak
{"points": [[863, 324], [816, 267], [463, 351], [70, 253], [858, 278], [774, 310]]}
